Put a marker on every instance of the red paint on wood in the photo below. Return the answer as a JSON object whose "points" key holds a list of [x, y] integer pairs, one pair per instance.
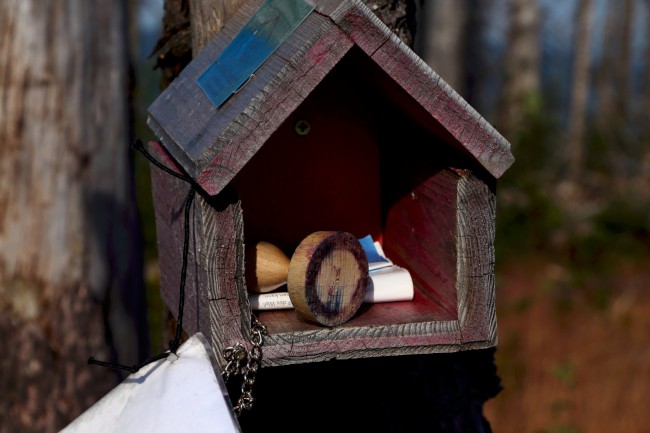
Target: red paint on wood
{"points": [[166, 158], [420, 235], [327, 179]]}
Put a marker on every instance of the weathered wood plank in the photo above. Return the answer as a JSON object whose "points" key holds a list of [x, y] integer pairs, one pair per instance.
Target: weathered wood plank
{"points": [[420, 233], [169, 196], [201, 136], [426, 87], [475, 245], [221, 255]]}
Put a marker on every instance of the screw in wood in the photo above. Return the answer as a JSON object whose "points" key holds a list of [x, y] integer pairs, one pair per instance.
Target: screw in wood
{"points": [[302, 127]]}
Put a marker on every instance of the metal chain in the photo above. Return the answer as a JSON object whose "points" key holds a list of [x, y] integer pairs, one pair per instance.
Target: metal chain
{"points": [[246, 363]]}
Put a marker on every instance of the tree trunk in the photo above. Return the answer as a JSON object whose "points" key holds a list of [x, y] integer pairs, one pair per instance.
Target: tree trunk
{"points": [[646, 82], [70, 271], [476, 72], [604, 78], [578, 109], [624, 67], [522, 65], [207, 18], [439, 40], [644, 117]]}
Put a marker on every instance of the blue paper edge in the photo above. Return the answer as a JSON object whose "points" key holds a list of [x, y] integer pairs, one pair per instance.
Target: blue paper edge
{"points": [[368, 245]]}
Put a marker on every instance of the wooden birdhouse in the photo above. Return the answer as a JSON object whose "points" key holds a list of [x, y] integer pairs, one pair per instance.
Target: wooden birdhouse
{"points": [[306, 115]]}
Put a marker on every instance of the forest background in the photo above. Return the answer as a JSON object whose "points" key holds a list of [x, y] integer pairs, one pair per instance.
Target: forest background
{"points": [[567, 82]]}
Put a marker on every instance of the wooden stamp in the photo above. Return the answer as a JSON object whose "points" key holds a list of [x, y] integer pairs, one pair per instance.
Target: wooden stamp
{"points": [[328, 276]]}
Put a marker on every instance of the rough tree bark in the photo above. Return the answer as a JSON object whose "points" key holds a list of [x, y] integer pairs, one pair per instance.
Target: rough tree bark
{"points": [[70, 271], [442, 393]]}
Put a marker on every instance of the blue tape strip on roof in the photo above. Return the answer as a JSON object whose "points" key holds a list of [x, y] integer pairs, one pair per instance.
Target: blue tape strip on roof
{"points": [[260, 37]]}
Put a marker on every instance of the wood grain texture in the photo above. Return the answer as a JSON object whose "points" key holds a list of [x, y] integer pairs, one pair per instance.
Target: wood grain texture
{"points": [[214, 144], [475, 283], [168, 197], [267, 267], [207, 18], [222, 259], [426, 87], [70, 274], [216, 303], [328, 276]]}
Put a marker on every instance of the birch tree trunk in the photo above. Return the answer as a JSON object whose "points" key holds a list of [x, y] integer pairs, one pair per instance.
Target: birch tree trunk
{"points": [[70, 271], [581, 77], [624, 68], [604, 78]]}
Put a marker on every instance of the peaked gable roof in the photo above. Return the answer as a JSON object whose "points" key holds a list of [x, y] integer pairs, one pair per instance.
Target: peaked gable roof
{"points": [[212, 139]]}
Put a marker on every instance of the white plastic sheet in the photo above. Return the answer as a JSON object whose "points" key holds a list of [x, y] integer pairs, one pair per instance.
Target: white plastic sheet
{"points": [[172, 395]]}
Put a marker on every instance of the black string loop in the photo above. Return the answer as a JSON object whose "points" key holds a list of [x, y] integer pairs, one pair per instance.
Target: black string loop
{"points": [[189, 200]]}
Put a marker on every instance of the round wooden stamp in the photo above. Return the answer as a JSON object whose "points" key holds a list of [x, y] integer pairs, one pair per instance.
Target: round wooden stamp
{"points": [[328, 275]]}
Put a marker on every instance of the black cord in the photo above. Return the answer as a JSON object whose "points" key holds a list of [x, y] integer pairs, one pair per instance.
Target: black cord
{"points": [[175, 343], [129, 368], [137, 145]]}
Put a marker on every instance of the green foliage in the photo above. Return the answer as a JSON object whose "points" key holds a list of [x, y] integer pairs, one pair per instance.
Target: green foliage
{"points": [[526, 221], [619, 232], [525, 213], [532, 220]]}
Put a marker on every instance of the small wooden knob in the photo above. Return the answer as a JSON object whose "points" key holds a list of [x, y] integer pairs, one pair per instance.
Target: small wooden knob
{"points": [[266, 267], [328, 275]]}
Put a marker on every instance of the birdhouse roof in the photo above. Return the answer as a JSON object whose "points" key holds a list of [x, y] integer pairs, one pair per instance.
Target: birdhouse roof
{"points": [[267, 60]]}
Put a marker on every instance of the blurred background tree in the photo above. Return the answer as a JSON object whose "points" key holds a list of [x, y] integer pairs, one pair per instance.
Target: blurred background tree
{"points": [[70, 249]]}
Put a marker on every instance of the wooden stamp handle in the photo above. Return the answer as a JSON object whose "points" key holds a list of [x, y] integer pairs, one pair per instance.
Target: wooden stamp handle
{"points": [[266, 267]]}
